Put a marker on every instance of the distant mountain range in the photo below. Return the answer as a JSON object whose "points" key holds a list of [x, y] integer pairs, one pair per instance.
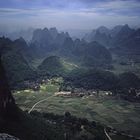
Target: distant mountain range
{"points": [[109, 37], [13, 35], [121, 40], [17, 55], [95, 50], [51, 42]]}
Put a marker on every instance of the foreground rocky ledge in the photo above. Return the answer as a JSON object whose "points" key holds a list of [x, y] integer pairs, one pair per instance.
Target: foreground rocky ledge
{"points": [[4, 136]]}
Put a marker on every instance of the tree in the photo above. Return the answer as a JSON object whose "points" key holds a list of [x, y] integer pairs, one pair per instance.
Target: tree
{"points": [[129, 80]]}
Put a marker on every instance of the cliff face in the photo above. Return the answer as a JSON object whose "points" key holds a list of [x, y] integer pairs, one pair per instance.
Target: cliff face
{"points": [[7, 102]]}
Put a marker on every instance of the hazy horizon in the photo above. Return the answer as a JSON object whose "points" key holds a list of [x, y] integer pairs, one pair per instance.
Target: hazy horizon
{"points": [[66, 14]]}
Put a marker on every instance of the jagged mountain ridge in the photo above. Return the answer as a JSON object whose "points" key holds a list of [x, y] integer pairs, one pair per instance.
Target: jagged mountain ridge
{"points": [[17, 55], [109, 37], [49, 41], [121, 40]]}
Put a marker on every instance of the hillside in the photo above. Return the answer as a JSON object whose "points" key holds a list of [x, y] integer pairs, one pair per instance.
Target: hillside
{"points": [[129, 47], [95, 55], [15, 60], [48, 42], [56, 66], [51, 66]]}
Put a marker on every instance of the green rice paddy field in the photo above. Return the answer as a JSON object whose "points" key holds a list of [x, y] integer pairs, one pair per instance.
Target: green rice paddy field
{"points": [[120, 114]]}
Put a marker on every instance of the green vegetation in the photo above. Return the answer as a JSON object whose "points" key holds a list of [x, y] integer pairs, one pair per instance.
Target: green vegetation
{"points": [[17, 68], [50, 88], [51, 66], [100, 80], [36, 62], [92, 79], [96, 55], [55, 66], [14, 58], [120, 114]]}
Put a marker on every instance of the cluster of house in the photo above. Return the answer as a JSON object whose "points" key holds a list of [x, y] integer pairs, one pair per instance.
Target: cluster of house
{"points": [[80, 92], [93, 93], [35, 85]]}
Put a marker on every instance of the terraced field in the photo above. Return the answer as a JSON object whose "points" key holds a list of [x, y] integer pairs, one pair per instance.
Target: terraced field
{"points": [[119, 114]]}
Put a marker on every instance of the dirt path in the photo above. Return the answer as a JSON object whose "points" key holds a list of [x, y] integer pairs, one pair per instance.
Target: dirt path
{"points": [[109, 138], [38, 103]]}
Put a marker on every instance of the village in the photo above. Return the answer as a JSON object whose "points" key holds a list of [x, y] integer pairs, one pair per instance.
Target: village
{"points": [[83, 93], [70, 92], [77, 101]]}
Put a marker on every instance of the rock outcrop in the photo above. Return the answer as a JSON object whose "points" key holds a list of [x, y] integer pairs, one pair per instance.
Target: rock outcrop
{"points": [[7, 102], [4, 136]]}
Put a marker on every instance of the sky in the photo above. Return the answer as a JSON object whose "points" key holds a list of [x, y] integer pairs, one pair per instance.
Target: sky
{"points": [[68, 14]]}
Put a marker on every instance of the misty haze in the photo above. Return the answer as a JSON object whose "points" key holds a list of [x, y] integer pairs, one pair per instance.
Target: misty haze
{"points": [[69, 69]]}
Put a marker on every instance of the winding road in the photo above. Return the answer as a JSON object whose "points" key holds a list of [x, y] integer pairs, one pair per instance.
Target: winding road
{"points": [[38, 103]]}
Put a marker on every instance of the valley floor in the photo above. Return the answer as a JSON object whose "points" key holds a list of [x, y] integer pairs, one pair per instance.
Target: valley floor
{"points": [[121, 115]]}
